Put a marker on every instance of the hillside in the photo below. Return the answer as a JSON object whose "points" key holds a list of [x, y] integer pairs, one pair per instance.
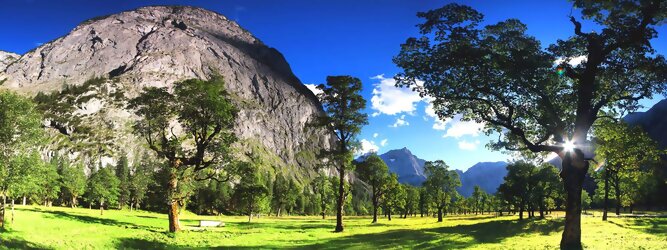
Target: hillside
{"points": [[110, 59]]}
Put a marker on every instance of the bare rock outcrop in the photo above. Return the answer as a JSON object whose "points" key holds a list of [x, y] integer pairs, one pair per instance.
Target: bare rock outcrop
{"points": [[160, 45]]}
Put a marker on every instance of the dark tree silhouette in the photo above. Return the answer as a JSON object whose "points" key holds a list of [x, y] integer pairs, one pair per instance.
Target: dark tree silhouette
{"points": [[499, 75]]}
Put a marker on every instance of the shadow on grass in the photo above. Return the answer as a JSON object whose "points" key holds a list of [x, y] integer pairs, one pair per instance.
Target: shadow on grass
{"points": [[132, 243], [444, 237], [14, 243], [655, 226]]}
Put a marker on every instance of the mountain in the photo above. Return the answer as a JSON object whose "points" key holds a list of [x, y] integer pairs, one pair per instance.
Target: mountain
{"points": [[653, 121], [110, 59], [408, 167], [7, 58], [486, 175], [410, 170]]}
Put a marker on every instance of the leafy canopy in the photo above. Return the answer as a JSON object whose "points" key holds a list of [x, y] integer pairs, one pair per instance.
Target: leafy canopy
{"points": [[500, 76]]}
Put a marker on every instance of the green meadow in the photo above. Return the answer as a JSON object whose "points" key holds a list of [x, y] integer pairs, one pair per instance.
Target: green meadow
{"points": [[38, 227]]}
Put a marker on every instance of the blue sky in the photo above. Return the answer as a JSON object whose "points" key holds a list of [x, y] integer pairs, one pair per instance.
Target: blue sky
{"points": [[320, 38]]}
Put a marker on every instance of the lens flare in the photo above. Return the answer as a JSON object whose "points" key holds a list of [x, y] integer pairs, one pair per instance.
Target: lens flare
{"points": [[568, 146], [560, 71]]}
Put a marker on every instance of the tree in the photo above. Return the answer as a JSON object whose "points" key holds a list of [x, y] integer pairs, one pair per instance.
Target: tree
{"points": [[19, 129], [342, 101], [547, 187], [374, 171], [394, 198], [625, 149], [440, 184], [73, 181], [585, 201], [251, 191], [519, 183], [123, 174], [103, 187], [139, 181], [205, 115], [323, 188], [22, 177], [411, 200], [478, 199], [502, 77], [49, 180]]}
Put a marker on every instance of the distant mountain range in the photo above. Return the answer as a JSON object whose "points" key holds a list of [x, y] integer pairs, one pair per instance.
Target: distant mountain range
{"points": [[489, 175], [410, 170], [653, 121]]}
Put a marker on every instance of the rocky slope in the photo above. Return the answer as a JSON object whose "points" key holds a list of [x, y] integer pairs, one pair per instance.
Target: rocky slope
{"points": [[408, 167], [7, 58], [160, 45]]}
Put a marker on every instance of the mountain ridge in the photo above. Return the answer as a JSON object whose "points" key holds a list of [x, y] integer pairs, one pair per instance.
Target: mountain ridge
{"points": [[156, 46]]}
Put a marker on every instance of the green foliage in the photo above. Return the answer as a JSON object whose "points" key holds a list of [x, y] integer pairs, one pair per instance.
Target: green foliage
{"points": [[72, 180], [285, 194], [440, 184], [394, 198], [375, 172], [103, 187], [342, 101], [203, 150], [141, 177], [251, 193], [123, 174], [323, 188]]}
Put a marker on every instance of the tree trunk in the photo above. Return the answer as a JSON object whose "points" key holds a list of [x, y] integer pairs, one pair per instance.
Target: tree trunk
{"points": [[521, 210], [12, 221], [173, 204], [101, 206], [440, 214], [341, 200], [249, 212], [25, 200], [573, 174], [278, 212], [389, 214], [618, 198], [73, 201], [375, 211], [2, 210], [606, 194]]}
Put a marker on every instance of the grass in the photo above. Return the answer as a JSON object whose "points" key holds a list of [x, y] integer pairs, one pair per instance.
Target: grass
{"points": [[65, 228]]}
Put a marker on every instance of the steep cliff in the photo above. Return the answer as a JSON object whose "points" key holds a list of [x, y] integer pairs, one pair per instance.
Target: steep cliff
{"points": [[93, 70]]}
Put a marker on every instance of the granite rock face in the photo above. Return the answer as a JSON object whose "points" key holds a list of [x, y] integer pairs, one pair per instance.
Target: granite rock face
{"points": [[7, 58], [160, 45]]}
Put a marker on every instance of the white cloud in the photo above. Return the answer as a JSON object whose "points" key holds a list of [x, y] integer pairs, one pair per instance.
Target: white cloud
{"points": [[400, 122], [465, 145], [383, 143], [573, 61], [375, 135], [313, 88], [460, 128], [390, 100], [367, 147]]}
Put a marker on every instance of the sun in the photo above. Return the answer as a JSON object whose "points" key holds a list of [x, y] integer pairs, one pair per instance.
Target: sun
{"points": [[568, 146]]}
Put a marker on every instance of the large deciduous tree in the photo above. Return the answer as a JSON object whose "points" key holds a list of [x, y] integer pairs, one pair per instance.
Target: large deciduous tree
{"points": [[103, 187], [19, 129], [342, 101], [440, 184], [625, 150], [502, 77], [204, 115], [375, 172]]}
